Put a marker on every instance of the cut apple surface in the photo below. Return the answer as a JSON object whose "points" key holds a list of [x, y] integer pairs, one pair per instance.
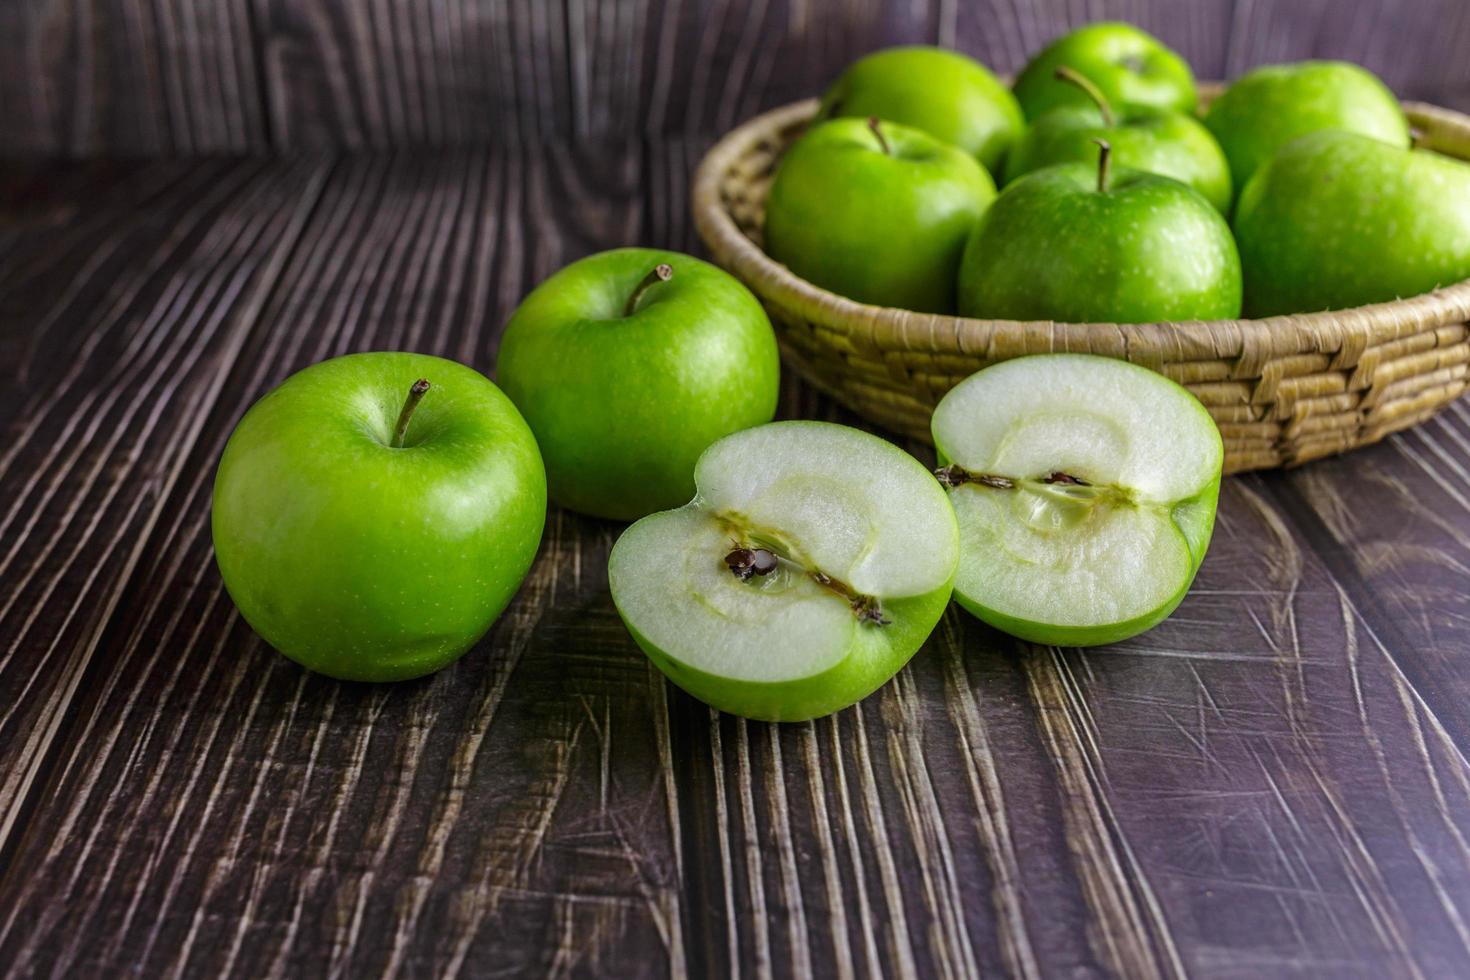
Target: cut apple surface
{"points": [[811, 565], [1085, 489]]}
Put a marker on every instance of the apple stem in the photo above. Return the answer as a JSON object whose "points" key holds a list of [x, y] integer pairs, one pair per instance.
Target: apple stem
{"points": [[1087, 85], [662, 272], [415, 395], [1104, 157], [955, 475], [864, 607], [878, 132]]}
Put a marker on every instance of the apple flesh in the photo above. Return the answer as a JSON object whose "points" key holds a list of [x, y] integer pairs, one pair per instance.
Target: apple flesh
{"points": [[1130, 66], [1337, 220], [372, 528], [811, 566], [1073, 242], [1269, 107], [951, 97], [627, 365], [876, 212], [1085, 490]]}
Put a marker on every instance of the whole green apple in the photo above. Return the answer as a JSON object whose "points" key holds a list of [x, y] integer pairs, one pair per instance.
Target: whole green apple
{"points": [[1159, 141], [877, 212], [951, 97], [814, 562], [1337, 219], [375, 513], [1129, 66], [626, 365], [1269, 107], [1074, 242]]}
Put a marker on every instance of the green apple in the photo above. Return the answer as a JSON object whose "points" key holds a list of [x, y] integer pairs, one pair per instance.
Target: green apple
{"points": [[814, 562], [1085, 490], [951, 97], [627, 365], [1159, 141], [1074, 242], [1337, 220], [1131, 68], [877, 212], [375, 513], [1269, 107]]}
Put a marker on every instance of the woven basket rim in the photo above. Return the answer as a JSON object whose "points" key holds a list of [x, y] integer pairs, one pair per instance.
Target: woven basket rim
{"points": [[885, 327]]}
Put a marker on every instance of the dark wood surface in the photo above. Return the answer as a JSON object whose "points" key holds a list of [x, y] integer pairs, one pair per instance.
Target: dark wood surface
{"points": [[150, 77], [1273, 783]]}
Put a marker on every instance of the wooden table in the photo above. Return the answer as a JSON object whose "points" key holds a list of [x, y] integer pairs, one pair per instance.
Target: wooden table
{"points": [[1272, 783]]}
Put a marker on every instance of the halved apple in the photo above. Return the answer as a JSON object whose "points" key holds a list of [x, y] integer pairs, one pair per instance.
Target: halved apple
{"points": [[1085, 489], [814, 560]]}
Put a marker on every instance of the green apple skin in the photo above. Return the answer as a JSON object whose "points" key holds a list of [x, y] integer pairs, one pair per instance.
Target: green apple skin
{"points": [[1269, 107], [622, 406], [871, 664], [834, 479], [1156, 141], [951, 97], [1337, 220], [1193, 518], [885, 228], [1130, 67], [1169, 454], [366, 562], [1052, 247]]}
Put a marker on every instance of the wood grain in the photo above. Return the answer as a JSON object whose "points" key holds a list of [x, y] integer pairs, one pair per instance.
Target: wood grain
{"points": [[149, 77], [119, 330], [130, 77], [1273, 783], [278, 823]]}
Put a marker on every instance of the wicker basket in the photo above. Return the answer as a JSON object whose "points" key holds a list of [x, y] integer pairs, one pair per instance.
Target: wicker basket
{"points": [[1284, 390]]}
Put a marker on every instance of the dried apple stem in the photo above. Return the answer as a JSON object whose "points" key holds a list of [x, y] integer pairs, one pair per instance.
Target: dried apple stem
{"points": [[1075, 77], [662, 272], [1104, 158], [878, 132], [415, 395]]}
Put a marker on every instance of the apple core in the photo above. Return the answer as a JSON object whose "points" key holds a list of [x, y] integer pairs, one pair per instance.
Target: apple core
{"points": [[812, 563]]}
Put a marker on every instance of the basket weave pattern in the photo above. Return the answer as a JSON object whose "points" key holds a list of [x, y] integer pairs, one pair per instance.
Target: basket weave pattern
{"points": [[1283, 390]]}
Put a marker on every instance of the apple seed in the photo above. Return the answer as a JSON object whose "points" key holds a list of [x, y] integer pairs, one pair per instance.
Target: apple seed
{"points": [[746, 562]]}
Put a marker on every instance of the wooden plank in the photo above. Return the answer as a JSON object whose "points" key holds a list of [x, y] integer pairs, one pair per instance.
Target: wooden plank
{"points": [[128, 77], [218, 810], [121, 313], [1290, 802], [135, 77], [1268, 784], [1395, 521], [356, 75]]}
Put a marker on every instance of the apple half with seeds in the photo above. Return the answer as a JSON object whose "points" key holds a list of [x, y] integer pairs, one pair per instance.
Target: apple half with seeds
{"points": [[813, 562], [1085, 489]]}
